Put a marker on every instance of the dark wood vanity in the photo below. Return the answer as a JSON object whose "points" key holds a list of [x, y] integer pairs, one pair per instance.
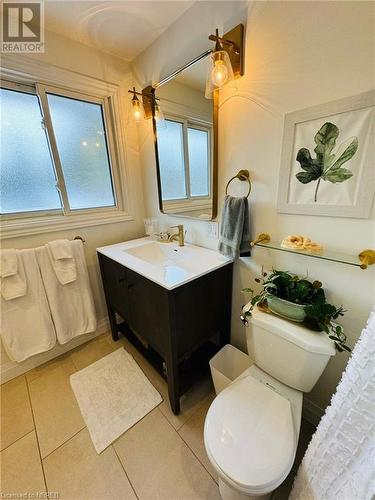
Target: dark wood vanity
{"points": [[177, 330]]}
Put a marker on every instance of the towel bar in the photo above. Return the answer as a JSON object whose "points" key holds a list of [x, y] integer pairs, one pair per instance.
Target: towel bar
{"points": [[242, 175]]}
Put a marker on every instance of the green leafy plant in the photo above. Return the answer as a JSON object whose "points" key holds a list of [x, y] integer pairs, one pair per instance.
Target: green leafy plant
{"points": [[327, 166], [320, 315]]}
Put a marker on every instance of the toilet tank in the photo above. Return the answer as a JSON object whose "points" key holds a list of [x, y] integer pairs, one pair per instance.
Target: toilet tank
{"points": [[288, 351]]}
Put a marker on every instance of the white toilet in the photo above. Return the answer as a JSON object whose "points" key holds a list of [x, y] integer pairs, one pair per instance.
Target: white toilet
{"points": [[252, 427]]}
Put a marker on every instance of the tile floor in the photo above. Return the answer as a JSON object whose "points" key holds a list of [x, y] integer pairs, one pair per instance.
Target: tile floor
{"points": [[46, 446]]}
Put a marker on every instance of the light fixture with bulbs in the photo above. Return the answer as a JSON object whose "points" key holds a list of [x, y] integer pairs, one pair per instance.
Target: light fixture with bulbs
{"points": [[226, 61], [137, 111], [148, 107]]}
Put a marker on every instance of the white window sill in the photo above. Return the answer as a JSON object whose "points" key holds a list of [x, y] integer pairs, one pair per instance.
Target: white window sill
{"points": [[48, 224]]}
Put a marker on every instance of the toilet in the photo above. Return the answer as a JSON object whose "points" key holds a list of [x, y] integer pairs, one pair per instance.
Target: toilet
{"points": [[252, 426]]}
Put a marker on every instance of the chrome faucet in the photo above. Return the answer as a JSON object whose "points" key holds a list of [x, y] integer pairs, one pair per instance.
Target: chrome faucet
{"points": [[180, 236]]}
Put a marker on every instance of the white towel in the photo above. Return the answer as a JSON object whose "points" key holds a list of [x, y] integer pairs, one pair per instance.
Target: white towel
{"points": [[62, 259], [13, 280], [8, 260], [61, 249], [72, 305], [26, 325]]}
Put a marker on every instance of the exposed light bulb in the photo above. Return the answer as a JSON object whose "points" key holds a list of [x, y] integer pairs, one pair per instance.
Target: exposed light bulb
{"points": [[97, 144], [219, 74], [84, 143], [137, 110], [158, 114]]}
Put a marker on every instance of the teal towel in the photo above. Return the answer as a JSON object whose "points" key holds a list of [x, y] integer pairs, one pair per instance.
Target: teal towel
{"points": [[234, 240]]}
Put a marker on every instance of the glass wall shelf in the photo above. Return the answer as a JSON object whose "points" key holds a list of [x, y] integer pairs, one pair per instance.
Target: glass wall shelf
{"points": [[363, 260]]}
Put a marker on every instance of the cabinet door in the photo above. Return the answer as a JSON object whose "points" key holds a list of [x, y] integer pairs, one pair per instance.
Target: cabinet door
{"points": [[115, 284], [148, 309]]}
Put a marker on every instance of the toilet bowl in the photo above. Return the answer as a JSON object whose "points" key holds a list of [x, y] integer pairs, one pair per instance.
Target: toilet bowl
{"points": [[252, 426], [251, 435]]}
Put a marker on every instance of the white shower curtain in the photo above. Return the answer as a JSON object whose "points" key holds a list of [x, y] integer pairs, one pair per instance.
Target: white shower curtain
{"points": [[339, 463]]}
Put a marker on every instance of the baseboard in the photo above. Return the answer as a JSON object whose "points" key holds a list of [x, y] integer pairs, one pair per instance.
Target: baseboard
{"points": [[12, 369], [311, 412]]}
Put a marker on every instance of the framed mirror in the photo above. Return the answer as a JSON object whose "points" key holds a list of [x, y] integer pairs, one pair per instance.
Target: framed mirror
{"points": [[186, 144]]}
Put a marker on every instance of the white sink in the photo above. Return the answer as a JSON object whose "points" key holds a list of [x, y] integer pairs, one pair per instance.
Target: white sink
{"points": [[167, 264]]}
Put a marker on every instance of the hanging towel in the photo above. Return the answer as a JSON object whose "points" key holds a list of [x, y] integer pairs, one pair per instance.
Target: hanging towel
{"points": [[72, 305], [8, 259], [339, 462], [25, 322], [12, 280], [234, 238], [62, 260]]}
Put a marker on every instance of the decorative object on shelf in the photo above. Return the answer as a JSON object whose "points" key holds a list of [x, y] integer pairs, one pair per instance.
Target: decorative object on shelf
{"points": [[363, 260], [301, 243], [242, 175], [327, 159], [226, 61], [299, 299]]}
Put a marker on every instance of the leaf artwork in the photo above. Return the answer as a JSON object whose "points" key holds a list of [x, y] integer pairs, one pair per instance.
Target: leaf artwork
{"points": [[327, 165]]}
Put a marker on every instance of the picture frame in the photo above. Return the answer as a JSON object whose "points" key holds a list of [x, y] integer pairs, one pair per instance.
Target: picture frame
{"points": [[328, 159]]}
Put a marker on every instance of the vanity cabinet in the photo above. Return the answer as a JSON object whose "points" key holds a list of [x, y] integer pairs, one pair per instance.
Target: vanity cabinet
{"points": [[180, 328]]}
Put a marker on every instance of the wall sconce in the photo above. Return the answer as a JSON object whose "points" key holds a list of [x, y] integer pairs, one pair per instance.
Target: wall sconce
{"points": [[137, 110], [226, 61], [149, 106]]}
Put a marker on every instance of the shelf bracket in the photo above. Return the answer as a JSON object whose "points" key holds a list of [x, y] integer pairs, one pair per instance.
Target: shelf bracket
{"points": [[366, 258], [262, 238]]}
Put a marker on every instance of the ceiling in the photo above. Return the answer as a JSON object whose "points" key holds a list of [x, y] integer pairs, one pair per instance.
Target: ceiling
{"points": [[121, 28]]}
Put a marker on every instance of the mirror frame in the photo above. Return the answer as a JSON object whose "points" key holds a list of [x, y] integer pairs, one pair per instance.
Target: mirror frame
{"points": [[215, 111]]}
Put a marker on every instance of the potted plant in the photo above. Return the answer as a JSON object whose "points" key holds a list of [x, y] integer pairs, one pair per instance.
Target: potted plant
{"points": [[299, 299]]}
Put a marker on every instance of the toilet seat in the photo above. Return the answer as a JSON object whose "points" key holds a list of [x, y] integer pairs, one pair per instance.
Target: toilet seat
{"points": [[250, 436]]}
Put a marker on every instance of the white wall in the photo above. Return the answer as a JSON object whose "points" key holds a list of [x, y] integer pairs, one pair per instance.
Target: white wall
{"points": [[298, 54], [80, 58]]}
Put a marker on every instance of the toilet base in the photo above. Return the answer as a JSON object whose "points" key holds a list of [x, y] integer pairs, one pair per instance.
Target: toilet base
{"points": [[229, 493]]}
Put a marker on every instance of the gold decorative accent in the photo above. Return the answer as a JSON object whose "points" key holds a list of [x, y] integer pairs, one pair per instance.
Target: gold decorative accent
{"points": [[232, 43], [242, 175], [301, 243], [366, 258], [262, 238]]}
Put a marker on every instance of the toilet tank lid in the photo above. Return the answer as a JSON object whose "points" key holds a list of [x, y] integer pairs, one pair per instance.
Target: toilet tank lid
{"points": [[309, 340]]}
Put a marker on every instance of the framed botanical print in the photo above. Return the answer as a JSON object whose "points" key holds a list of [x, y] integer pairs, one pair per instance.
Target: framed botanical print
{"points": [[328, 159]]}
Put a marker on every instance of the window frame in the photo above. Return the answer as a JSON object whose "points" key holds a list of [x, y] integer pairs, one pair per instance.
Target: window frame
{"points": [[27, 89], [25, 70], [197, 124], [40, 91]]}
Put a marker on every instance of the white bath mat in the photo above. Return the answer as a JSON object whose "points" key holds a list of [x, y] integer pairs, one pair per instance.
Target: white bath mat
{"points": [[113, 394]]}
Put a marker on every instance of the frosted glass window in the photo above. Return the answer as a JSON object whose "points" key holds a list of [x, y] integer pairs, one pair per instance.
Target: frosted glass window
{"points": [[199, 168], [27, 177], [80, 135], [171, 160]]}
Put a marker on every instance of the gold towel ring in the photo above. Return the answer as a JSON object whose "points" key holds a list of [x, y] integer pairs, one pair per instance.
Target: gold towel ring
{"points": [[242, 175]]}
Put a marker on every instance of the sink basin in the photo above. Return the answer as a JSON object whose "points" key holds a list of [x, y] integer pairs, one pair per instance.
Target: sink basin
{"points": [[158, 254], [167, 264]]}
